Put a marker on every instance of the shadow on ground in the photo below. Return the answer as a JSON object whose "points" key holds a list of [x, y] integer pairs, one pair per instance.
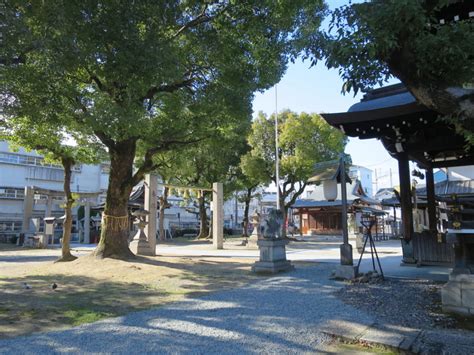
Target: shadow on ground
{"points": [[281, 314]]}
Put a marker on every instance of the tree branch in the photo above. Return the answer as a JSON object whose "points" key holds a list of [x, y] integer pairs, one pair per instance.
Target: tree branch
{"points": [[168, 88], [296, 195], [108, 142], [201, 18]]}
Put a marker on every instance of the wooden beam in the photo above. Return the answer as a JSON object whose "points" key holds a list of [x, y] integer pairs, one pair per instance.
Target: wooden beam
{"points": [[455, 162]]}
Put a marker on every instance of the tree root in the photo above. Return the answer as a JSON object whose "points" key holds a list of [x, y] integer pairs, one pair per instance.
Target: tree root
{"points": [[66, 258]]}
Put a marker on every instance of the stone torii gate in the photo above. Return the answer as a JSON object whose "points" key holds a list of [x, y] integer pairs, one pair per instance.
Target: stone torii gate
{"points": [[151, 202]]}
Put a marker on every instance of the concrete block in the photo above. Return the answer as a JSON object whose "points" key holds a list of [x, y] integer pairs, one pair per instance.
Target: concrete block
{"points": [[344, 329], [467, 295], [267, 267], [393, 336], [346, 272], [451, 294], [469, 278], [458, 310], [383, 337]]}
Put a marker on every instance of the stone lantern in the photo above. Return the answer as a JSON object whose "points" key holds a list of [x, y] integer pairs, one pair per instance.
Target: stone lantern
{"points": [[142, 247], [330, 174], [252, 242]]}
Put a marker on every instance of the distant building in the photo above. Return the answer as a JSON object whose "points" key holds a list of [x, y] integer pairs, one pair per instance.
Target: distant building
{"points": [[460, 173], [317, 215], [364, 175], [22, 169]]}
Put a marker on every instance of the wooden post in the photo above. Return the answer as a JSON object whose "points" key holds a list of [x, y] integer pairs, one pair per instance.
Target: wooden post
{"points": [[394, 226], [430, 194], [405, 196], [407, 211]]}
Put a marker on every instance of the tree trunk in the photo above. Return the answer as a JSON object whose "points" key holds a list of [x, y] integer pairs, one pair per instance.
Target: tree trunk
{"points": [[204, 225], [67, 225], [245, 221], [115, 218], [163, 207]]}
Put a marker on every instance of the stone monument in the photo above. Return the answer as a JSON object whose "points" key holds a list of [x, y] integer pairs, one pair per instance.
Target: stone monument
{"points": [[140, 244], [458, 294], [272, 246]]}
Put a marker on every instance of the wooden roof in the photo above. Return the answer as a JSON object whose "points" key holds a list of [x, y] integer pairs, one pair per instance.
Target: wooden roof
{"points": [[392, 115]]}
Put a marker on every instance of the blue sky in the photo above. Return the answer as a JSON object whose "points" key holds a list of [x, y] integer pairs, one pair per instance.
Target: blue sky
{"points": [[318, 89]]}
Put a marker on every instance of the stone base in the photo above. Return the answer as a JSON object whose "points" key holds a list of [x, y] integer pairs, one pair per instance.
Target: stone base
{"points": [[267, 267], [252, 242], [458, 294], [272, 256], [346, 272], [408, 252], [140, 246]]}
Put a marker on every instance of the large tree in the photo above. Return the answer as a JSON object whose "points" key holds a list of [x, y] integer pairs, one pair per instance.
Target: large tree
{"points": [[418, 41], [304, 140], [147, 74], [33, 132], [214, 159], [249, 180]]}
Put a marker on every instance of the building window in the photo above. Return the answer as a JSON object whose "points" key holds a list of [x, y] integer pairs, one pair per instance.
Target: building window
{"points": [[10, 226], [41, 173], [20, 159], [104, 168], [12, 193]]}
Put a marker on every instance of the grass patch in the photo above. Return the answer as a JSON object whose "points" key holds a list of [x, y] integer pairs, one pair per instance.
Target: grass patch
{"points": [[357, 348], [90, 290], [82, 316]]}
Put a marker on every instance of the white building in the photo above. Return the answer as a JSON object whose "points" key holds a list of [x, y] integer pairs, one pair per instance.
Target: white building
{"points": [[22, 169], [364, 175]]}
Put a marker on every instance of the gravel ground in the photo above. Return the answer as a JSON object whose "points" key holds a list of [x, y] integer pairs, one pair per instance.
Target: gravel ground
{"points": [[407, 303], [277, 315], [412, 304]]}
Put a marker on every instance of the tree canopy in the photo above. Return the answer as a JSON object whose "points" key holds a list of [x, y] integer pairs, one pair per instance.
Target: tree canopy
{"points": [[304, 140], [417, 41], [146, 75]]}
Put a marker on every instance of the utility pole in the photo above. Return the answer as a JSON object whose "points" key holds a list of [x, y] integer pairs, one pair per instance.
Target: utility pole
{"points": [[376, 181], [277, 158], [391, 178]]}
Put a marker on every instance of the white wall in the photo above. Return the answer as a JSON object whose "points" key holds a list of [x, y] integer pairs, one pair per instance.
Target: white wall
{"points": [[461, 173], [364, 175]]}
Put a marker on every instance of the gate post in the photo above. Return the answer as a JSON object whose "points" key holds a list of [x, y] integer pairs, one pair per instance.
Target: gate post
{"points": [[150, 205], [217, 215]]}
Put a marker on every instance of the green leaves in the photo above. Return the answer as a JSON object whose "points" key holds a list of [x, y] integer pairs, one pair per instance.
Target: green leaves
{"points": [[304, 140]]}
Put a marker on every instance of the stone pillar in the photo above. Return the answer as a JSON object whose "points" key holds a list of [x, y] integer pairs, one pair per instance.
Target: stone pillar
{"points": [[87, 223], [49, 207], [150, 205], [27, 210], [217, 215]]}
